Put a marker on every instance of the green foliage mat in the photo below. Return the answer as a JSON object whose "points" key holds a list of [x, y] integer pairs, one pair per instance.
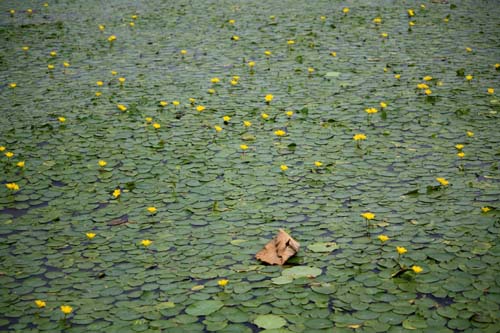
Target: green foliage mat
{"points": [[218, 194]]}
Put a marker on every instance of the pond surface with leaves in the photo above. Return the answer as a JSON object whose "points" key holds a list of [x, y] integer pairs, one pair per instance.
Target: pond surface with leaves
{"points": [[155, 167]]}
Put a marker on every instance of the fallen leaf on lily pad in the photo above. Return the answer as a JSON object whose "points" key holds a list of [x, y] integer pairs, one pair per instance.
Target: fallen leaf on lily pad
{"points": [[279, 249]]}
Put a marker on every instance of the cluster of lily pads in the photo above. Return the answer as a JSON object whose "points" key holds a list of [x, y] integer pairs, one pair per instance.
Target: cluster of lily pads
{"points": [[148, 155]]}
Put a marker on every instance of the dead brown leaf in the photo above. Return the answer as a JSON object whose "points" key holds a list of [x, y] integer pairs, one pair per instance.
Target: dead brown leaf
{"points": [[279, 249]]}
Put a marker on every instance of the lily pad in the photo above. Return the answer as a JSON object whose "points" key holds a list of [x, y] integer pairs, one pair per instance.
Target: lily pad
{"points": [[323, 247], [269, 321], [204, 308], [301, 271]]}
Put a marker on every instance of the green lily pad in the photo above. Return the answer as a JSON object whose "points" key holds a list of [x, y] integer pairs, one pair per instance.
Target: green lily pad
{"points": [[301, 271], [323, 247], [269, 321], [204, 308]]}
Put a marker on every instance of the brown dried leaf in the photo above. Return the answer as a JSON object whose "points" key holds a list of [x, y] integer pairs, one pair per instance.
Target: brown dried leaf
{"points": [[279, 249]]}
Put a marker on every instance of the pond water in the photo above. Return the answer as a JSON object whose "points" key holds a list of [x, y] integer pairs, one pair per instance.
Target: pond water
{"points": [[100, 114]]}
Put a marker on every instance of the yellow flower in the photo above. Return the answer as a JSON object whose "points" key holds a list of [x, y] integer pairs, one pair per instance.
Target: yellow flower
{"points": [[383, 238], [491, 91], [20, 164], [132, 24], [383, 105], [401, 249], [12, 85], [264, 116], [61, 119], [468, 49], [485, 209], [422, 86], [111, 38], [12, 12], [184, 52], [322, 18], [459, 146], [66, 64], [12, 186], [211, 91], [269, 98], [133, 17], [9, 154], [251, 64], [66, 309], [411, 23], [90, 235], [102, 27], [377, 20], [99, 83], [243, 147], [310, 70], [176, 103], [333, 54], [53, 53], [117, 193], [468, 77], [45, 4], [497, 66], [416, 269], [283, 167], [122, 80], [358, 137], [114, 73], [397, 76], [121, 107], [223, 282], [470, 134], [427, 78], [439, 83], [345, 10], [442, 181], [368, 216], [267, 53], [217, 128], [200, 108], [428, 92], [226, 118], [2, 148], [192, 100], [40, 303], [152, 209], [371, 110], [215, 80], [289, 113], [29, 11], [318, 164], [236, 77], [386, 69], [410, 12], [146, 242], [50, 66], [247, 123], [461, 154], [148, 119], [231, 21], [236, 38], [384, 35], [156, 125], [163, 103], [279, 133], [290, 42], [102, 163], [422, 6], [234, 82]]}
